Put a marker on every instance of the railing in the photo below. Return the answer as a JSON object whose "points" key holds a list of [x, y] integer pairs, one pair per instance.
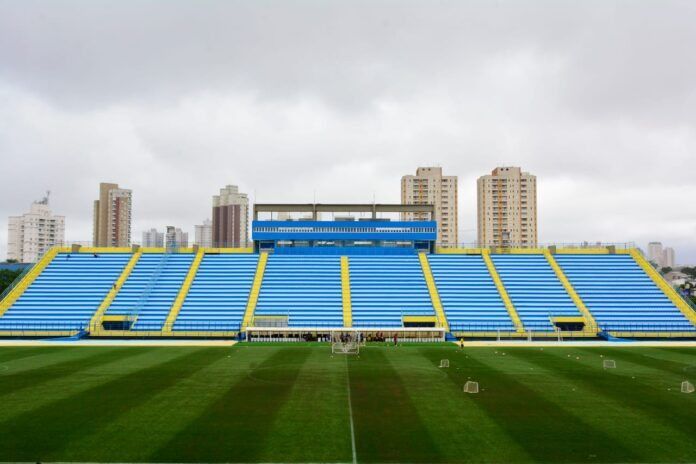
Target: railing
{"points": [[145, 295], [580, 245]]}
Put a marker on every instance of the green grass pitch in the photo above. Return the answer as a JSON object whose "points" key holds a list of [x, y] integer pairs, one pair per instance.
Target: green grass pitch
{"points": [[291, 403]]}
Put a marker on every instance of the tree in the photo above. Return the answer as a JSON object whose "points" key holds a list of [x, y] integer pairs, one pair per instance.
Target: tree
{"points": [[666, 270], [7, 277], [690, 271], [11, 261]]}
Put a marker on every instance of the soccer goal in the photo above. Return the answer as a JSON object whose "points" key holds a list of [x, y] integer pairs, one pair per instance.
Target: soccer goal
{"points": [[471, 387], [444, 363], [609, 364], [346, 342], [687, 387]]}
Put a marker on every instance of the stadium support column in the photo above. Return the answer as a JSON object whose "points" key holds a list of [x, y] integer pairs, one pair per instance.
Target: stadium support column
{"points": [[664, 286], [486, 254], [255, 290], [345, 292], [590, 323], [432, 289], [95, 322], [29, 278], [181, 297]]}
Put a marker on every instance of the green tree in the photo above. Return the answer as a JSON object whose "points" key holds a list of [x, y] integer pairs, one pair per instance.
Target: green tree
{"points": [[7, 277], [666, 270]]}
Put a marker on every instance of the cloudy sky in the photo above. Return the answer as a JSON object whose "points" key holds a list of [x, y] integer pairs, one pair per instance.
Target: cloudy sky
{"points": [[176, 99]]}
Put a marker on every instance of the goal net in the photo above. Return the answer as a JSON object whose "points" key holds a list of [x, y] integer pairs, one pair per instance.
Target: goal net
{"points": [[687, 387], [444, 363], [471, 387], [346, 342], [609, 364]]}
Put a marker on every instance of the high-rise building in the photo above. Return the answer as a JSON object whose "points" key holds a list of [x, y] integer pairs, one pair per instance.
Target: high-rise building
{"points": [[203, 235], [668, 257], [34, 233], [656, 253], [153, 239], [507, 209], [112, 217], [430, 187], [175, 238], [230, 218]]}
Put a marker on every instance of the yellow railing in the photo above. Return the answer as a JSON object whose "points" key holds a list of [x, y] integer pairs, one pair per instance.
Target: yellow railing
{"points": [[181, 297], [95, 322], [486, 255], [345, 292], [432, 289], [28, 279], [255, 290], [664, 286], [590, 323]]}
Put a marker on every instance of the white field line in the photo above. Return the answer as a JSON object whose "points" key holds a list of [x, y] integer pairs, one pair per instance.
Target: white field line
{"points": [[350, 409]]}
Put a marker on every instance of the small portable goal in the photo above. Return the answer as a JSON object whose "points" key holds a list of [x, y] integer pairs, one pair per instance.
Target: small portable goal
{"points": [[471, 387], [609, 364], [444, 363], [345, 348], [687, 387]]}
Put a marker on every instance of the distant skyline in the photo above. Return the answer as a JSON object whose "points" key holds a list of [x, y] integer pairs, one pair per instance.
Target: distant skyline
{"points": [[286, 100]]}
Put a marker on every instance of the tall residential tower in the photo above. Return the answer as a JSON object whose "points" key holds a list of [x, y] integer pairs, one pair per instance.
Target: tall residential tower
{"points": [[34, 233], [112, 217], [507, 209], [430, 187], [230, 218]]}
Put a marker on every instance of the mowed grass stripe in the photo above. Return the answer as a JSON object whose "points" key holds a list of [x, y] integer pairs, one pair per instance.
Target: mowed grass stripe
{"points": [[462, 429], [315, 417], [547, 432], [235, 428], [60, 422], [388, 427], [76, 362], [155, 421], [630, 428], [8, 354]]}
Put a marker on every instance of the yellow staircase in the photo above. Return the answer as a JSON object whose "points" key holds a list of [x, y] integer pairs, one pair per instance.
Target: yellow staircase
{"points": [[95, 322], [345, 292], [255, 290], [181, 297], [662, 284], [588, 319], [29, 278], [486, 255], [434, 295]]}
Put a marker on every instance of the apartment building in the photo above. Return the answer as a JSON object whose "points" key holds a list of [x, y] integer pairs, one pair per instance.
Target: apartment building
{"points": [[112, 217], [230, 218], [34, 233], [507, 209], [430, 187], [203, 234]]}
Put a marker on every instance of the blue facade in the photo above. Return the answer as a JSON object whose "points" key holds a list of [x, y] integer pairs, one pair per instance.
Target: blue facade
{"points": [[306, 236]]}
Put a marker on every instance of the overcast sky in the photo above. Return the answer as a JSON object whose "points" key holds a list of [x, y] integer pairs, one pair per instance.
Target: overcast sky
{"points": [[177, 99]]}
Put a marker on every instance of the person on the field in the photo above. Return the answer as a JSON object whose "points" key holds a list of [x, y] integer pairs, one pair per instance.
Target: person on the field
{"points": [[396, 339], [461, 343]]}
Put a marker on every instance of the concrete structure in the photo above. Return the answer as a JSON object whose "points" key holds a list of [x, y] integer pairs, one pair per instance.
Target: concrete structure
{"points": [[175, 238], [34, 233], [230, 218], [112, 217], [507, 209], [656, 253], [430, 187], [152, 238], [668, 257], [203, 234]]}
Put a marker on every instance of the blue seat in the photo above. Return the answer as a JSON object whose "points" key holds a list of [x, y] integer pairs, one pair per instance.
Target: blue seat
{"points": [[535, 291], [67, 293], [384, 289], [468, 294], [620, 295], [218, 296], [305, 288], [151, 288]]}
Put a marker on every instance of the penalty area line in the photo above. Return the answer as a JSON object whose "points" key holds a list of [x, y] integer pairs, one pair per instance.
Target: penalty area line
{"points": [[350, 410]]}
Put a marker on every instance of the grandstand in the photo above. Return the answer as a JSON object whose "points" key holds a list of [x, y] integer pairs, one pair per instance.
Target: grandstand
{"points": [[376, 276]]}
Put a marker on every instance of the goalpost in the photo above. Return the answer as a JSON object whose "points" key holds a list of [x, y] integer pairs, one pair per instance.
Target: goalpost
{"points": [[346, 342]]}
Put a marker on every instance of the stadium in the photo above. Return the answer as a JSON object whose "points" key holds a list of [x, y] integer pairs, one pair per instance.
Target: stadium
{"points": [[346, 341]]}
